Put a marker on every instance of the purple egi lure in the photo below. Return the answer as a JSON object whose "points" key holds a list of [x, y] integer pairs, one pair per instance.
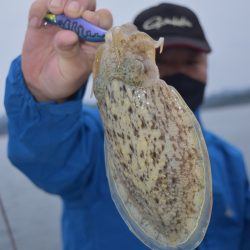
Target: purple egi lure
{"points": [[84, 29]]}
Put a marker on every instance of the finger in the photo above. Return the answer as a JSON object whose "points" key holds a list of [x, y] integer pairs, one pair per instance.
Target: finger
{"points": [[66, 44], [73, 62], [56, 6], [92, 5], [37, 12], [102, 18], [105, 18], [74, 8], [91, 17]]}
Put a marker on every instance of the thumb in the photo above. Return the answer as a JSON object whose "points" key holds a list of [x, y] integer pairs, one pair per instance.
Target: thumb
{"points": [[37, 12], [67, 44], [72, 62]]}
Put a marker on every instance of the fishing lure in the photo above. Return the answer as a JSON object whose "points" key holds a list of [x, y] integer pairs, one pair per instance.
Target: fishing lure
{"points": [[156, 157], [84, 29]]}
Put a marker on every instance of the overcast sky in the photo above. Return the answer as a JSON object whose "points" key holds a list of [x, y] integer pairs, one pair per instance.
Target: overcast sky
{"points": [[226, 25]]}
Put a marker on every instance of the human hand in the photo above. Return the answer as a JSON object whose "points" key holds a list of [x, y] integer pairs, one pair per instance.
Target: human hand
{"points": [[55, 62]]}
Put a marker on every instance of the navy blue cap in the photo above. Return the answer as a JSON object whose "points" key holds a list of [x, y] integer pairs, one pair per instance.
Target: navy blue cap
{"points": [[179, 26]]}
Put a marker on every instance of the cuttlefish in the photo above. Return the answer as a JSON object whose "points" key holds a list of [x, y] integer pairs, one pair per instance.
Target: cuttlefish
{"points": [[157, 163]]}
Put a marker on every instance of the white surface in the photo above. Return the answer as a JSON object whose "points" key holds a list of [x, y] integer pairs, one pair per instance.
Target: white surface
{"points": [[226, 24]]}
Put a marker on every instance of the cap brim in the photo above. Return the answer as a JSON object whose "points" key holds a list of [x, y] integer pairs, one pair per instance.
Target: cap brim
{"points": [[187, 43]]}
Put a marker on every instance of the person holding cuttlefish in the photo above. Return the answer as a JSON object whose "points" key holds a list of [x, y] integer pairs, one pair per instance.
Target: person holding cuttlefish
{"points": [[58, 143]]}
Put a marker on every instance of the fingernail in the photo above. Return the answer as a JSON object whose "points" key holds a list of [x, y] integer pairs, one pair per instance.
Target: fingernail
{"points": [[91, 17], [35, 22], [56, 3], [73, 6]]}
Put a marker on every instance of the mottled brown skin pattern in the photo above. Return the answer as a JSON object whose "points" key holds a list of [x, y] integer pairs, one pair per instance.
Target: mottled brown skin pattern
{"points": [[154, 153]]}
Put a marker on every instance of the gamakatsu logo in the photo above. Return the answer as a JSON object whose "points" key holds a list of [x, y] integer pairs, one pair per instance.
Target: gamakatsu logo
{"points": [[158, 22]]}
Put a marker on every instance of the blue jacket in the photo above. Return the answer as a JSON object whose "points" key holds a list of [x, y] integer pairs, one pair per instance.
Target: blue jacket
{"points": [[60, 148]]}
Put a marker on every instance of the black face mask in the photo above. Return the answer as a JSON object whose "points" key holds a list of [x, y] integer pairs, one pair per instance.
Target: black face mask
{"points": [[191, 90]]}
